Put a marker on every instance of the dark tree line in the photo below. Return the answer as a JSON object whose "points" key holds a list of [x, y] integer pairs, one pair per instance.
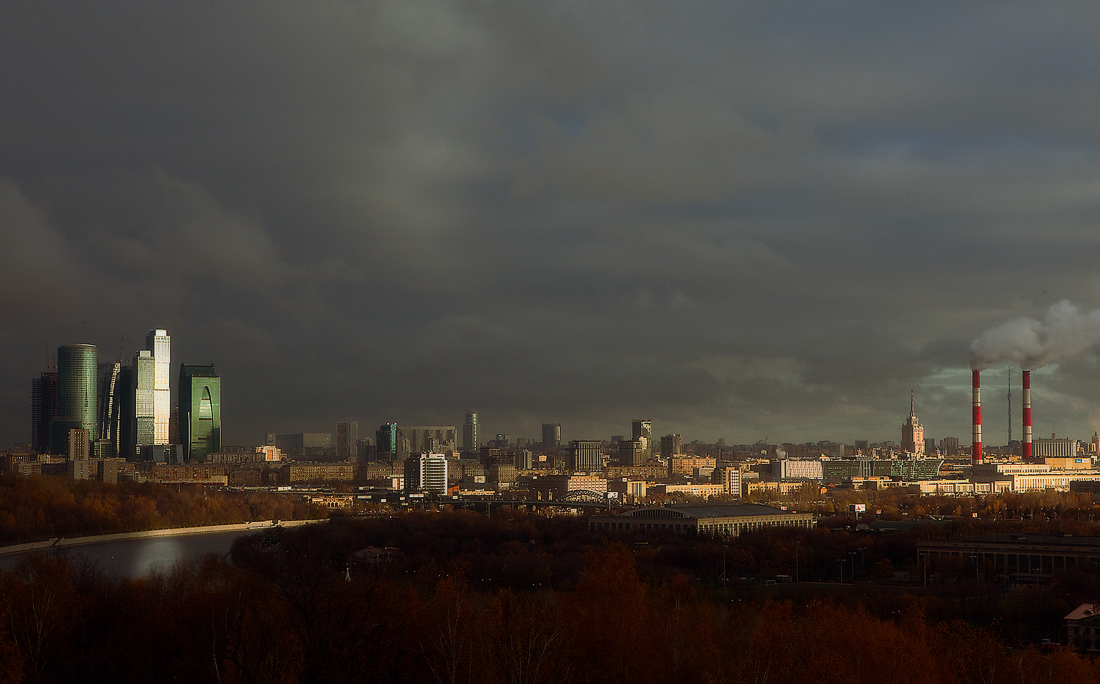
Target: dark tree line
{"points": [[454, 601], [36, 508]]}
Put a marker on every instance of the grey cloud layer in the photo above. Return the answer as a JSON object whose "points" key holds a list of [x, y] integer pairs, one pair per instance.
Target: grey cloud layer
{"points": [[739, 220]]}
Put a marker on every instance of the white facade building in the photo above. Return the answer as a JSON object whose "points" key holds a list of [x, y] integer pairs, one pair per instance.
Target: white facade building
{"points": [[426, 473], [160, 345], [790, 469]]}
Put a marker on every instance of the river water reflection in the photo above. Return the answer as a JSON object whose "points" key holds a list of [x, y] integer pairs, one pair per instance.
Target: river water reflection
{"points": [[136, 557]]}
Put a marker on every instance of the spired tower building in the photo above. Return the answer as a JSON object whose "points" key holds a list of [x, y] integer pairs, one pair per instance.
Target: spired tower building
{"points": [[912, 433]]}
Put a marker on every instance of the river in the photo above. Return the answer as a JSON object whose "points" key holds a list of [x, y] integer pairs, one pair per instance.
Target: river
{"points": [[134, 558]]}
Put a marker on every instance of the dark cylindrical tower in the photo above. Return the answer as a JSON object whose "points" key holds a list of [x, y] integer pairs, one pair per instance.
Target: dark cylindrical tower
{"points": [[76, 394]]}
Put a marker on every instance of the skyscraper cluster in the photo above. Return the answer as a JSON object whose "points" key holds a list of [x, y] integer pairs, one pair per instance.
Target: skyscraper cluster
{"points": [[86, 408]]}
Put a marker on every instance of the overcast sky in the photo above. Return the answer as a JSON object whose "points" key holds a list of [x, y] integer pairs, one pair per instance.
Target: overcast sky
{"points": [[740, 220]]}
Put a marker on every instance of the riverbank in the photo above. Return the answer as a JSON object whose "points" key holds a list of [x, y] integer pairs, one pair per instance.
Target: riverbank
{"points": [[64, 542]]}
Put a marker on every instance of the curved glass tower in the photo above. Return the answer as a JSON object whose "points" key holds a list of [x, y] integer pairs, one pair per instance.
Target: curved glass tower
{"points": [[77, 366], [200, 402]]}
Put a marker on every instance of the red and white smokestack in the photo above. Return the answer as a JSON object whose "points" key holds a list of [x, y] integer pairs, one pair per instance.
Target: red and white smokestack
{"points": [[1027, 452], [976, 448]]}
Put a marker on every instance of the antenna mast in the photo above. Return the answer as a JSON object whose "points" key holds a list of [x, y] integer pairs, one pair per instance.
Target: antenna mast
{"points": [[1009, 371]]}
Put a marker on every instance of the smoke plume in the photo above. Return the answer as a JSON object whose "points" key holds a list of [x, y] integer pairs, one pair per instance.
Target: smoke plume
{"points": [[1064, 331]]}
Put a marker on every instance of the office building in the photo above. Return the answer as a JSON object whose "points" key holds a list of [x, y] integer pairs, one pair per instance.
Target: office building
{"points": [[642, 429], [109, 391], [469, 432], [43, 410], [585, 454], [318, 441], [301, 444], [731, 481], [347, 439], [144, 388], [1055, 447], [159, 345], [386, 442], [200, 406], [949, 446], [419, 439], [122, 414], [426, 473], [551, 435], [671, 445], [686, 464], [76, 394], [632, 452]]}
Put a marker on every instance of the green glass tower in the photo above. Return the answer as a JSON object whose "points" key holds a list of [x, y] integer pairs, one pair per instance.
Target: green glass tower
{"points": [[200, 411], [76, 394]]}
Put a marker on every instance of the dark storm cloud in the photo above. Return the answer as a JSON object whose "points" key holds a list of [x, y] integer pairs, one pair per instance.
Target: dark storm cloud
{"points": [[739, 220]]}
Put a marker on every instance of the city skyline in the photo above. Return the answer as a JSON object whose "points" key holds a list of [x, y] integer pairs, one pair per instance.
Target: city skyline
{"points": [[639, 427], [744, 221]]}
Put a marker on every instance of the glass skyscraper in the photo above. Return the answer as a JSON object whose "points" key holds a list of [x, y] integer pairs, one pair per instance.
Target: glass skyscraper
{"points": [[200, 407], [160, 344], [386, 438], [551, 435], [43, 410], [109, 390], [76, 394], [144, 376], [469, 432]]}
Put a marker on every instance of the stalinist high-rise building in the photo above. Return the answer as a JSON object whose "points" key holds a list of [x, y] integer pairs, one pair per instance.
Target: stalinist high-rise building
{"points": [[912, 433], [160, 344]]}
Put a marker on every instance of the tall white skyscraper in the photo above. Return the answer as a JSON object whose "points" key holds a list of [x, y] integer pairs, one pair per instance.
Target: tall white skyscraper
{"points": [[160, 344]]}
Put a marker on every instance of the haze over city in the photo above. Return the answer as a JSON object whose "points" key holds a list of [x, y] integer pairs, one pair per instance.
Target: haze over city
{"points": [[748, 222]]}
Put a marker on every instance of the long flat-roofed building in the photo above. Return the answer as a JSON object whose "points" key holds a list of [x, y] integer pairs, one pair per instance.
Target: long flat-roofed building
{"points": [[724, 519]]}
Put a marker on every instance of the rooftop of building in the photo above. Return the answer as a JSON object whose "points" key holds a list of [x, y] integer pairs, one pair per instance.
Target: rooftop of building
{"points": [[712, 510], [198, 371], [1016, 540]]}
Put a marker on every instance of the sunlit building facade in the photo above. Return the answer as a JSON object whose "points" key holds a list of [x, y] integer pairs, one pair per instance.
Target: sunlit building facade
{"points": [[160, 344], [426, 473], [144, 377], [912, 433], [642, 429]]}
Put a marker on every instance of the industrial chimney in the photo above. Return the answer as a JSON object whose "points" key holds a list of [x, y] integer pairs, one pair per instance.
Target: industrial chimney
{"points": [[976, 448], [1027, 450]]}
